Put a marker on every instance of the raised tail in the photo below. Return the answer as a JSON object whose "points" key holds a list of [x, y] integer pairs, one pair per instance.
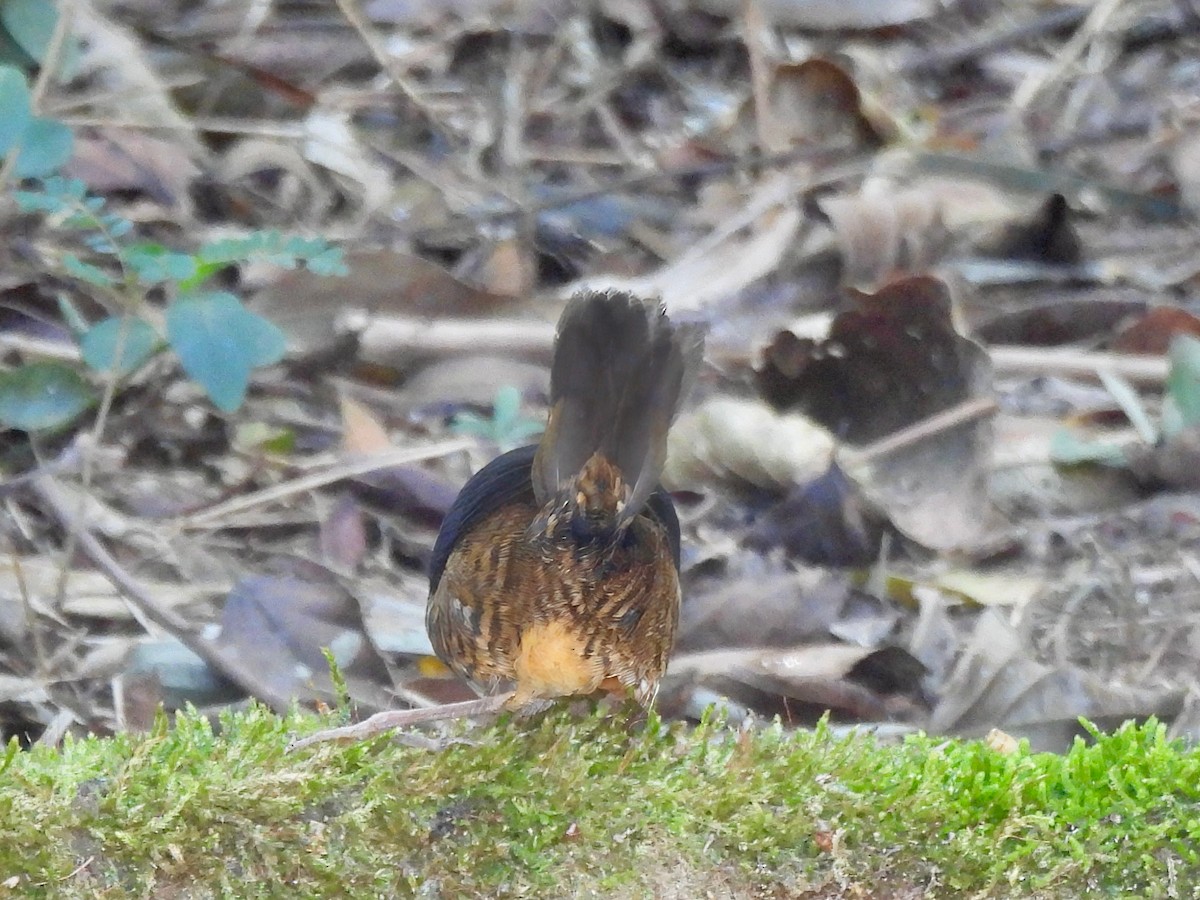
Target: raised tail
{"points": [[621, 369]]}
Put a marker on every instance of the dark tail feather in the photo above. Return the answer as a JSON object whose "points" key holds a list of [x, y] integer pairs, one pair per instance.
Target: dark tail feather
{"points": [[621, 369]]}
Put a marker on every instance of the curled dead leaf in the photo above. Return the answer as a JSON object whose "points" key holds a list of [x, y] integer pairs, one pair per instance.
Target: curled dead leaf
{"points": [[817, 101], [746, 441]]}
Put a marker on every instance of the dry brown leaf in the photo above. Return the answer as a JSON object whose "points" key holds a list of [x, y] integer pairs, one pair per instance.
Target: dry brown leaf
{"points": [[891, 362], [509, 269], [763, 610], [816, 101], [343, 535], [284, 623], [1153, 332], [998, 684], [119, 159], [857, 682]]}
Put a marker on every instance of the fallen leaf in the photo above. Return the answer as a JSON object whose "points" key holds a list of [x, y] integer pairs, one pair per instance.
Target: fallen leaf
{"points": [[362, 432], [746, 441], [343, 535], [1152, 332], [891, 361], [998, 684], [284, 622], [817, 101]]}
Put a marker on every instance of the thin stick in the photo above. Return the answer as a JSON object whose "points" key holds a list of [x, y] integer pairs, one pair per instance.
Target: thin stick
{"points": [[1096, 22], [337, 472], [398, 718], [967, 411], [386, 335], [1071, 363], [385, 61]]}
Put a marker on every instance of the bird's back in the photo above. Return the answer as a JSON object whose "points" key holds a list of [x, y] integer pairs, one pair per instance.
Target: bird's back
{"points": [[562, 578]]}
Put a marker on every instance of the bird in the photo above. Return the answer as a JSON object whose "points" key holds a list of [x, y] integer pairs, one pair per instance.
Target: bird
{"points": [[556, 570]]}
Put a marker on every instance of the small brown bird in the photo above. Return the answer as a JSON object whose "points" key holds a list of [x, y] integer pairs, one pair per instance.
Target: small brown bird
{"points": [[556, 571]]}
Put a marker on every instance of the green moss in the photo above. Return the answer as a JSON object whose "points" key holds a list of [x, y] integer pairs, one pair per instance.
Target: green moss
{"points": [[584, 805]]}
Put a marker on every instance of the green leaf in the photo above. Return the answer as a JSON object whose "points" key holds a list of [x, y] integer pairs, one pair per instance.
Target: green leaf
{"points": [[15, 110], [328, 262], [277, 249], [1068, 449], [72, 317], [203, 272], [1183, 384], [100, 345], [1130, 402], [268, 343], [11, 53], [45, 148], [506, 428], [56, 195], [86, 271], [155, 264], [219, 342], [42, 395], [31, 24]]}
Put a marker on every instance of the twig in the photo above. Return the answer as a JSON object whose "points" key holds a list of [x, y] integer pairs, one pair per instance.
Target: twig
{"points": [[1147, 30], [943, 58], [756, 29], [1097, 20], [961, 414], [447, 336], [399, 718], [353, 15], [293, 131], [243, 672], [337, 472], [1071, 363]]}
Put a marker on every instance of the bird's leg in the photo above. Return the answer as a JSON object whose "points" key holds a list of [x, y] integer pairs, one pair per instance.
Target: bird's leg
{"points": [[400, 718]]}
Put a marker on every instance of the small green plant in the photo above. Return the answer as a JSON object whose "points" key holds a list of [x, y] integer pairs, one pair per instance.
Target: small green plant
{"points": [[41, 145], [30, 145], [217, 341], [506, 428]]}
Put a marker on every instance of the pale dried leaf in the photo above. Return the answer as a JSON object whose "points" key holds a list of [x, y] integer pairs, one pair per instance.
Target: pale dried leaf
{"points": [[362, 432], [745, 440]]}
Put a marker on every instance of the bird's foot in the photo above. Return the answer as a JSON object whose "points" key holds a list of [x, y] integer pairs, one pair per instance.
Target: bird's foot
{"points": [[401, 718]]}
